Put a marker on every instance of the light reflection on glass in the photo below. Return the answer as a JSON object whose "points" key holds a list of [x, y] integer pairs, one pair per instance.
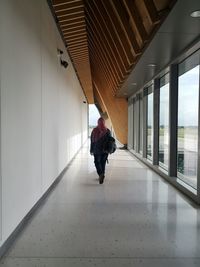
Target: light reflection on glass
{"points": [[188, 98], [164, 122]]}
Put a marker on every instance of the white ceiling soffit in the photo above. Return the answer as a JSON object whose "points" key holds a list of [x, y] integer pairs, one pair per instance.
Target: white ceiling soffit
{"points": [[178, 32]]}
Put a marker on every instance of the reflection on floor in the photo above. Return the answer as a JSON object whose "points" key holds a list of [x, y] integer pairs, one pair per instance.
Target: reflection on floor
{"points": [[134, 219]]}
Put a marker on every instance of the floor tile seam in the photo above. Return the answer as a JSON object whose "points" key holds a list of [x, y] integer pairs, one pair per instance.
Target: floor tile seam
{"points": [[103, 258]]}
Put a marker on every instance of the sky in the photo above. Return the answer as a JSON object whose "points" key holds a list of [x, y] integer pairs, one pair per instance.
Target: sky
{"points": [[188, 98], [93, 115]]}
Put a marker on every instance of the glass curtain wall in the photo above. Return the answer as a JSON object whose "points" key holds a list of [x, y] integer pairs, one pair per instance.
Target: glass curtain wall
{"points": [[164, 122], [150, 123], [141, 122], [188, 105]]}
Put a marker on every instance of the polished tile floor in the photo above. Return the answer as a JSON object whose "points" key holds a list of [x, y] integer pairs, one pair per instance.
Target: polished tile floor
{"points": [[134, 219]]}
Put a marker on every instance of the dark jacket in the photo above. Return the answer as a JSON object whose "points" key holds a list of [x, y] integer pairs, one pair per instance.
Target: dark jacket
{"points": [[98, 147]]}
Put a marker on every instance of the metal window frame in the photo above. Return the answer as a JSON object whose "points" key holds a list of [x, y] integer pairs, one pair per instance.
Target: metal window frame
{"points": [[173, 119], [156, 104]]}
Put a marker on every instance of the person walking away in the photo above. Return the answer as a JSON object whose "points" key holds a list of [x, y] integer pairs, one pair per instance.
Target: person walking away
{"points": [[99, 137]]}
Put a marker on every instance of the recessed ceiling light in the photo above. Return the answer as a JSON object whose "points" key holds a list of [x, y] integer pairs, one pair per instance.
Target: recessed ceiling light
{"points": [[134, 84], [151, 65], [195, 14]]}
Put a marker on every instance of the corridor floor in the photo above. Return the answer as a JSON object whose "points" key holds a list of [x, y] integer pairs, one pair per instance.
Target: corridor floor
{"points": [[134, 219]]}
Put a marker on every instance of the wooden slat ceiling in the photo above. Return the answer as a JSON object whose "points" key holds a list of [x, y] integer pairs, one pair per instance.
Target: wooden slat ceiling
{"points": [[105, 40], [70, 16], [117, 33]]}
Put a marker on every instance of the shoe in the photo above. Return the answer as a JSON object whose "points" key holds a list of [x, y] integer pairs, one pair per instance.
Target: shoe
{"points": [[101, 178]]}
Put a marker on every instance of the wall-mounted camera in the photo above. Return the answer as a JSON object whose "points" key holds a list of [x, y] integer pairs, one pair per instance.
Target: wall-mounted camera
{"points": [[63, 63]]}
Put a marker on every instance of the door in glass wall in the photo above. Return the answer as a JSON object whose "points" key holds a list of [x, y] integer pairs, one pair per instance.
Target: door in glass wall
{"points": [[164, 122], [150, 123], [188, 99], [140, 124]]}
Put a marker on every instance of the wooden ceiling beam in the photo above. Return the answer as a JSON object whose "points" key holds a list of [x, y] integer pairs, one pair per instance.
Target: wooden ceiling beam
{"points": [[77, 52], [75, 55], [96, 76], [152, 12], [73, 27], [68, 6], [98, 59], [74, 33], [122, 16], [101, 61], [70, 19], [100, 48], [136, 19], [71, 36], [61, 14], [77, 42], [78, 38], [101, 54], [63, 2], [119, 30], [80, 52], [74, 46], [72, 23], [104, 43], [95, 57], [113, 34], [103, 75], [73, 50], [103, 27]]}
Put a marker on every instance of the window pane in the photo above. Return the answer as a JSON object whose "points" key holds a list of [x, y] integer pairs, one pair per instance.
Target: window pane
{"points": [[188, 95], [140, 124], [164, 122], [150, 125]]}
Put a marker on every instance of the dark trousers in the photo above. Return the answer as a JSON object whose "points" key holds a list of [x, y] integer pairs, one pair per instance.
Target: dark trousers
{"points": [[100, 162]]}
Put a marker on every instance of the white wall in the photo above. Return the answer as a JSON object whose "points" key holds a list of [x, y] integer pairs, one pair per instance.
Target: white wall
{"points": [[43, 117]]}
